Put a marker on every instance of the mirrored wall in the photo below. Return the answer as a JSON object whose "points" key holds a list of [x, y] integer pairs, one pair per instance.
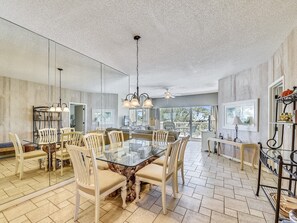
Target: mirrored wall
{"points": [[38, 79]]}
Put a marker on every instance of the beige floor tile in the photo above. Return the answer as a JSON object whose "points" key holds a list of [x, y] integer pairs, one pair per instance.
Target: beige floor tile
{"points": [[156, 209], [204, 191], [222, 218], [246, 218], [213, 204], [46, 220], [142, 215], [18, 210], [236, 205], [224, 191], [189, 203], [171, 202], [60, 197], [21, 219], [42, 212], [115, 215], [193, 217], [63, 214], [205, 211], [180, 210], [231, 212], [170, 217], [259, 205]]}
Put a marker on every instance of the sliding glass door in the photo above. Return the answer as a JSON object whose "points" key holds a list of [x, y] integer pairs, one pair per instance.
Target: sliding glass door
{"points": [[187, 120]]}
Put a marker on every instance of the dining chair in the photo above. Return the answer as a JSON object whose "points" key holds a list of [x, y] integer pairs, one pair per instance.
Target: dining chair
{"points": [[160, 137], [70, 138], [92, 183], [116, 139], [160, 175], [67, 130], [96, 142], [180, 159], [20, 156]]}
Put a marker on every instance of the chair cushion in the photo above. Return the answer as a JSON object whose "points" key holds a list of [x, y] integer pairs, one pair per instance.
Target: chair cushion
{"points": [[107, 180], [160, 161], [151, 172], [102, 165], [34, 154], [65, 154]]}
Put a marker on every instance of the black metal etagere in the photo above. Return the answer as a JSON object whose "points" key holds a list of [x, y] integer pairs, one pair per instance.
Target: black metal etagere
{"points": [[43, 118], [281, 162]]}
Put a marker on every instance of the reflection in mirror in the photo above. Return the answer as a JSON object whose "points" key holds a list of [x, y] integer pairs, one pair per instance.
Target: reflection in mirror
{"points": [[50, 96], [23, 84]]}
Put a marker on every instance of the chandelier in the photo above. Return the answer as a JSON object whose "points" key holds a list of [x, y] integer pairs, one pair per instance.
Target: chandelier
{"points": [[59, 107], [134, 100]]}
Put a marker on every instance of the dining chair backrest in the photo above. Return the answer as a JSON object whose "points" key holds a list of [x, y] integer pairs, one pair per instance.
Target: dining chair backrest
{"points": [[183, 146], [81, 159], [67, 130], [170, 158], [16, 144], [70, 138], [47, 135], [116, 139], [160, 137], [95, 141]]}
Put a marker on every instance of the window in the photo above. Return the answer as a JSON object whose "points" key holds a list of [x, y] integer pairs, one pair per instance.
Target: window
{"points": [[139, 117], [188, 120]]}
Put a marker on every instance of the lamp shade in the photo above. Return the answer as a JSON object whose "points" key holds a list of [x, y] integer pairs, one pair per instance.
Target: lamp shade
{"points": [[126, 103], [148, 103], [66, 109], [237, 121], [52, 109], [58, 109], [134, 102]]}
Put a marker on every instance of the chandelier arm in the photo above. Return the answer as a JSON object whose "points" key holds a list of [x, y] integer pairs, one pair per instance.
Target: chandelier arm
{"points": [[130, 94], [145, 95]]}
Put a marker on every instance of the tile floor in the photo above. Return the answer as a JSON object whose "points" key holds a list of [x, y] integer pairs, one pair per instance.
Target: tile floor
{"points": [[34, 179], [215, 191]]}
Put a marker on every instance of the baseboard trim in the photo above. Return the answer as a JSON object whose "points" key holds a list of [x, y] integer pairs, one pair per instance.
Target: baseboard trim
{"points": [[34, 194]]}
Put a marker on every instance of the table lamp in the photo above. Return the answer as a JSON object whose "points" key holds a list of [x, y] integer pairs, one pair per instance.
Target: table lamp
{"points": [[236, 122]]}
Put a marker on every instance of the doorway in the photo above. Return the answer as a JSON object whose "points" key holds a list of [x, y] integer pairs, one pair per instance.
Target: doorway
{"points": [[77, 117]]}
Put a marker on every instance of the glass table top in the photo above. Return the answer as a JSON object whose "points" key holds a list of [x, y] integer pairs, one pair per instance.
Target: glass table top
{"points": [[133, 153]]}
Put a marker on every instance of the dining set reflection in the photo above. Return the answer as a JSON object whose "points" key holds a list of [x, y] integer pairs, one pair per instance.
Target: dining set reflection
{"points": [[100, 167]]}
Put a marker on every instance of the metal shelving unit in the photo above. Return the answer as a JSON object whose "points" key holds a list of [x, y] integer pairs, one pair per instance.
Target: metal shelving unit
{"points": [[42, 118], [281, 162]]}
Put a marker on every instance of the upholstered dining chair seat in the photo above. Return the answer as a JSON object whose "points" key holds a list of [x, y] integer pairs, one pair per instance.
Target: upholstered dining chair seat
{"points": [[152, 172], [34, 154], [62, 154], [102, 165], [160, 161], [109, 180]]}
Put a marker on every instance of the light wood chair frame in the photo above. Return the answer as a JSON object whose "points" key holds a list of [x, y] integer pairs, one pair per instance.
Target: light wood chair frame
{"points": [[19, 155], [69, 138], [160, 137], [116, 139], [83, 172], [167, 174], [67, 130]]}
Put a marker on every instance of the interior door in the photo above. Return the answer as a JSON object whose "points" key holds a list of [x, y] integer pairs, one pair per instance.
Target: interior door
{"points": [[79, 118]]}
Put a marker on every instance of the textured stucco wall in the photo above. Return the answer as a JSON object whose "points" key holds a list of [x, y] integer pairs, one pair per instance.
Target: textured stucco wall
{"points": [[253, 83]]}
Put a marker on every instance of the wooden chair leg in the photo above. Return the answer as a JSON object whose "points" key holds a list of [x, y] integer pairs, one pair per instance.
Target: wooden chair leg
{"points": [[21, 168], [97, 209], [124, 195], [77, 201], [174, 184], [182, 173], [61, 167], [45, 164], [16, 166], [137, 189], [176, 180], [164, 198]]}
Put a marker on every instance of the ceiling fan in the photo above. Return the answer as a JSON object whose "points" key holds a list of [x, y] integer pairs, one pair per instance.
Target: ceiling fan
{"points": [[168, 94]]}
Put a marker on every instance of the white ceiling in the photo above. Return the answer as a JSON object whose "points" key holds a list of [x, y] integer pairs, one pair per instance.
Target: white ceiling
{"points": [[186, 46]]}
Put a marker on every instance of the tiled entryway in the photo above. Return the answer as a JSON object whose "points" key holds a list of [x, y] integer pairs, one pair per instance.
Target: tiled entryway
{"points": [[216, 191]]}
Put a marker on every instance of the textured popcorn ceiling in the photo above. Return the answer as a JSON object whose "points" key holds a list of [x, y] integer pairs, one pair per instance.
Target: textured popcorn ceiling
{"points": [[186, 46]]}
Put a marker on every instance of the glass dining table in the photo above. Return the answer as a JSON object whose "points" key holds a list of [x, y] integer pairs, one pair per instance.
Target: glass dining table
{"points": [[127, 160]]}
